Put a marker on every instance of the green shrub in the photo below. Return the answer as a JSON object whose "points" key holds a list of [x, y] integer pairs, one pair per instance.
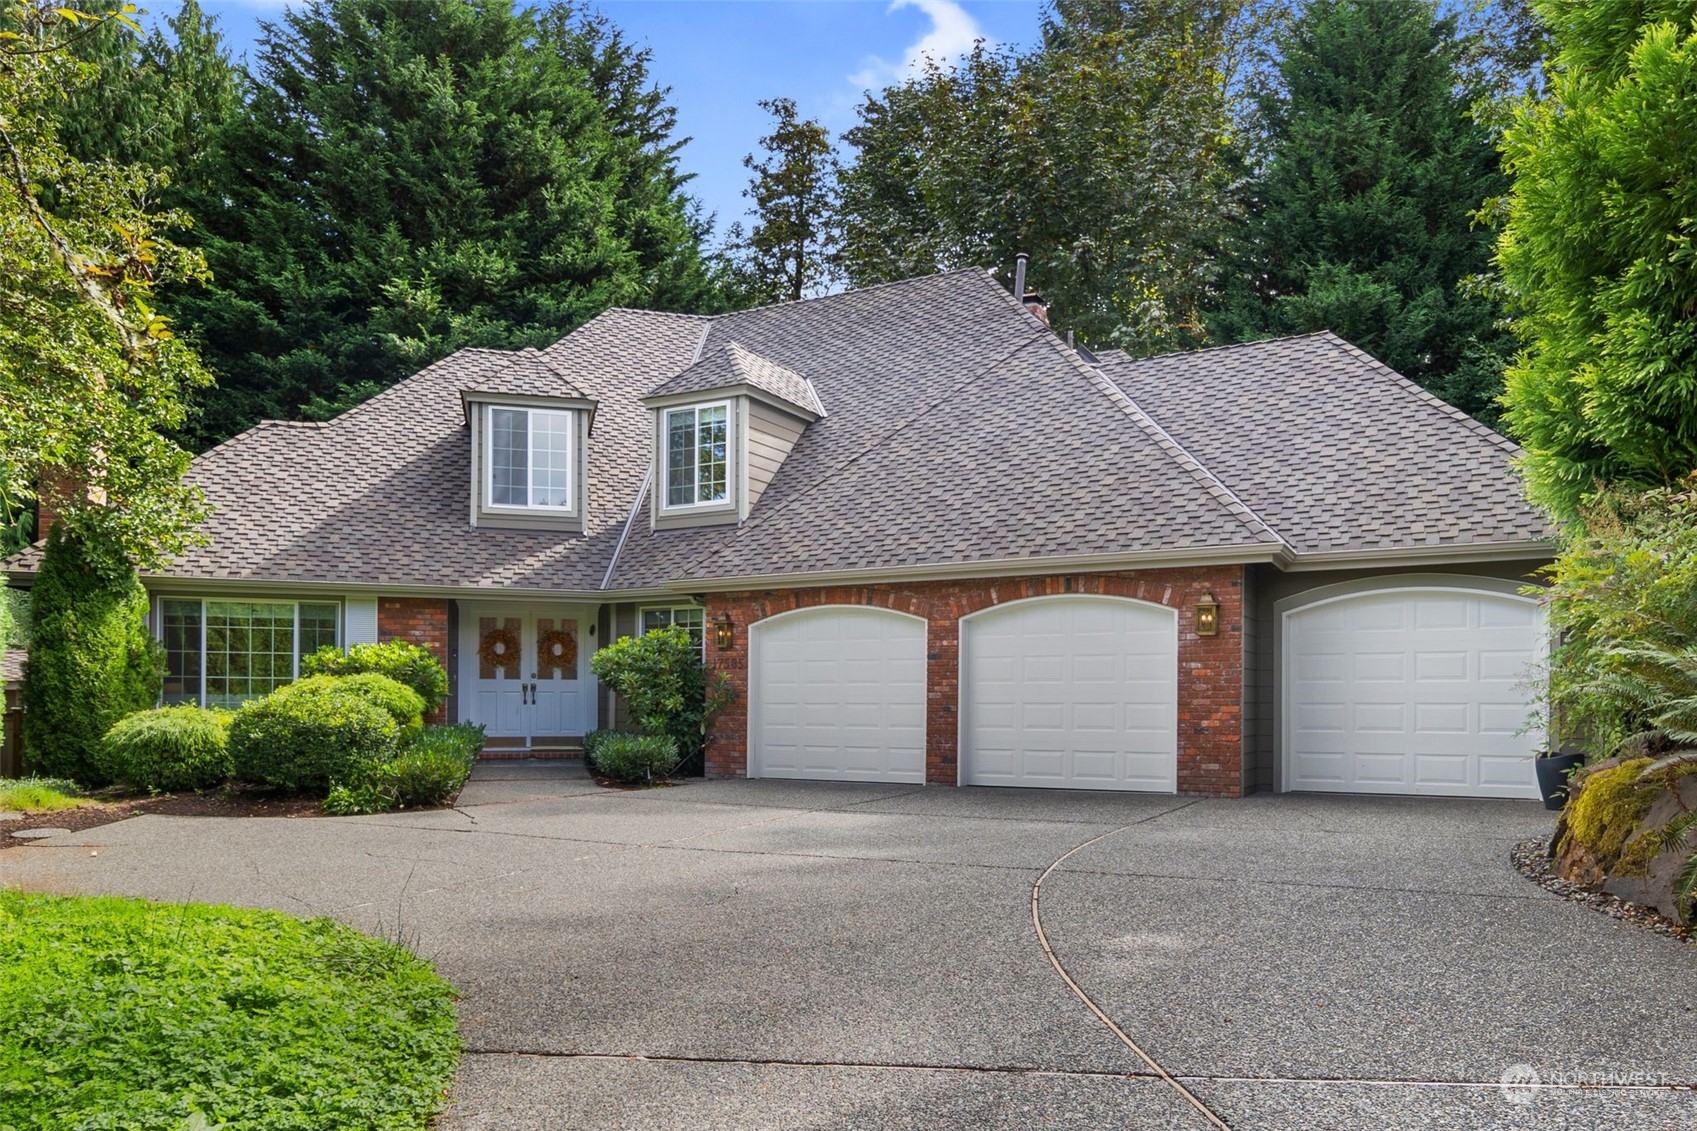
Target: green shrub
{"points": [[310, 735], [399, 701], [592, 743], [429, 776], [401, 661], [92, 661], [374, 795], [637, 757], [128, 1014], [662, 679], [168, 748]]}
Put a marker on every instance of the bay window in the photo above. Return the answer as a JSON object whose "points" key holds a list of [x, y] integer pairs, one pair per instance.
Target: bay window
{"points": [[222, 653]]}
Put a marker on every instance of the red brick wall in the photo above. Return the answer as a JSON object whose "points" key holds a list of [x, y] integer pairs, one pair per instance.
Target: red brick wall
{"points": [[421, 620], [1210, 680]]}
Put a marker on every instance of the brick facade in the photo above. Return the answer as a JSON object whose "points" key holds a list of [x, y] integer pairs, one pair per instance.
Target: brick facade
{"points": [[420, 620], [1210, 676]]}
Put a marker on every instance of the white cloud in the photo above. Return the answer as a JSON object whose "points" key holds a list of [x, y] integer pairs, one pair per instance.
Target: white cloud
{"points": [[953, 32]]}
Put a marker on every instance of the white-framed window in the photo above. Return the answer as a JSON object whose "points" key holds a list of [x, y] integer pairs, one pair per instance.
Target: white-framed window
{"points": [[692, 618], [528, 458], [697, 439], [222, 653]]}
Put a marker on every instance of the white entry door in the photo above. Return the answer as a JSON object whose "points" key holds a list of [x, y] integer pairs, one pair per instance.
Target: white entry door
{"points": [[1071, 692], [524, 672], [837, 694], [1411, 691]]}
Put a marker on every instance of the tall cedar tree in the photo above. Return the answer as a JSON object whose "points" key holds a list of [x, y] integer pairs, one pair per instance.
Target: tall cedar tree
{"points": [[785, 252], [1599, 254], [1362, 216], [1099, 153], [407, 177]]}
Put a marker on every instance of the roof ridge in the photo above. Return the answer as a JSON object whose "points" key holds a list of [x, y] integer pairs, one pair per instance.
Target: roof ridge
{"points": [[872, 445], [1423, 394], [851, 291], [1132, 359], [1213, 484], [645, 310]]}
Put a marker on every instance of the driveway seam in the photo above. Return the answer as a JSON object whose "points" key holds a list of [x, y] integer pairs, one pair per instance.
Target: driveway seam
{"points": [[1306, 884], [1075, 1073], [1101, 1014]]}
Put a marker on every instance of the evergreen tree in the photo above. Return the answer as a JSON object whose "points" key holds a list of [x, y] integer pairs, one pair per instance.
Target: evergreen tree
{"points": [[1599, 254], [407, 177], [1099, 153], [785, 252], [1361, 220], [91, 661]]}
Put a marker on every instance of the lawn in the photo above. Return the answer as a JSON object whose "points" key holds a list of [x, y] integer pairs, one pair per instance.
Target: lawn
{"points": [[36, 795], [119, 1013]]}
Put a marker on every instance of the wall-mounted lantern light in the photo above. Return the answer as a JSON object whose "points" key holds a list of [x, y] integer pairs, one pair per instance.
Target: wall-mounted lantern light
{"points": [[1207, 616], [722, 632]]}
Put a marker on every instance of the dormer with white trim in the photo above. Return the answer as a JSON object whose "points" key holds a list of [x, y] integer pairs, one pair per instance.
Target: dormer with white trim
{"points": [[722, 428], [529, 438]]}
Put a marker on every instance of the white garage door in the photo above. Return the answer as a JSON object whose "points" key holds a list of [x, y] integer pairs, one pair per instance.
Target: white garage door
{"points": [[1071, 693], [1411, 691], [838, 694]]}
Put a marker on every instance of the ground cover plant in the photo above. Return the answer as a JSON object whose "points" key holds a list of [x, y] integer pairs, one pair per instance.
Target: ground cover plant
{"points": [[37, 795], [128, 1014]]}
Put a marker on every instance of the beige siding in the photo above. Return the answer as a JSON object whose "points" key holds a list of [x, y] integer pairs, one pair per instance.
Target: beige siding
{"points": [[772, 433]]}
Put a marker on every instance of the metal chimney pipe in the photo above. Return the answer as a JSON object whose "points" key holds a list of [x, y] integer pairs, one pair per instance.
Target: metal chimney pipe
{"points": [[1019, 275]]}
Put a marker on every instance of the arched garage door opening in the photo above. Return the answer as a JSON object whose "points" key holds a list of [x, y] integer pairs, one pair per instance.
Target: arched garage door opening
{"points": [[837, 693], [1410, 688], [1070, 692]]}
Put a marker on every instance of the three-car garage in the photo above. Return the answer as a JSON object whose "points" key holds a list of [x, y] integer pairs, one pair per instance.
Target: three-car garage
{"points": [[1395, 685]]}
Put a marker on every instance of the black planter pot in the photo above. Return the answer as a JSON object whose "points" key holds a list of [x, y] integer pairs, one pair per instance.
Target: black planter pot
{"points": [[1553, 770]]}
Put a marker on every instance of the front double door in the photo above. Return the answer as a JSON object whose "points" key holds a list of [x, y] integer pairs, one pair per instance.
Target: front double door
{"points": [[525, 671]]}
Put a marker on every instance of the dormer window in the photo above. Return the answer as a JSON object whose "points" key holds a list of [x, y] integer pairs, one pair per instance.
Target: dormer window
{"points": [[530, 458], [697, 455]]}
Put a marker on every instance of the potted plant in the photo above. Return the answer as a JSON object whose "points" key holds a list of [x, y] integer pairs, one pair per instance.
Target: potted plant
{"points": [[1553, 772]]}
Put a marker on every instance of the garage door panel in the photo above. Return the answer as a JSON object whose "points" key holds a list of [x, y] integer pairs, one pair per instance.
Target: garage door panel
{"points": [[838, 693], [1429, 697], [1089, 702]]}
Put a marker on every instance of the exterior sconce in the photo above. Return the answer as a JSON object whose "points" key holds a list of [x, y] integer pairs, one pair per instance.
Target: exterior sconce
{"points": [[1208, 616], [722, 632]]}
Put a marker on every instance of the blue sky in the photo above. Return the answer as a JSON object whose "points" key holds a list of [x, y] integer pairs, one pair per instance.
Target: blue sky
{"points": [[722, 56]]}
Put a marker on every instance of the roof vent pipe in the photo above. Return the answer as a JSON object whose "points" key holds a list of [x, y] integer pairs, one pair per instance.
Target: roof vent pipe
{"points": [[1019, 275]]}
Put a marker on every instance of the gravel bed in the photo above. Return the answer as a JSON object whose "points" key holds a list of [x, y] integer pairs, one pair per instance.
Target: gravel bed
{"points": [[1532, 860]]}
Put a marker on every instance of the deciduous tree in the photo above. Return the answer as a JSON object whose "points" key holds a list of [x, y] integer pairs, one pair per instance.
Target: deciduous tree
{"points": [[785, 251]]}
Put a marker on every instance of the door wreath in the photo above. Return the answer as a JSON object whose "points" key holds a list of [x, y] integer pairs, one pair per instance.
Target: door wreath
{"points": [[499, 648], [557, 649]]}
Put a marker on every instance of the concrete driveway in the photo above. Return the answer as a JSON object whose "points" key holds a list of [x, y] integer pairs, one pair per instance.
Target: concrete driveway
{"points": [[771, 954]]}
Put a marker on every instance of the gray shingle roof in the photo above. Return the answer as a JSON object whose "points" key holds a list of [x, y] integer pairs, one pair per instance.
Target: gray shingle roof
{"points": [[960, 431], [730, 365], [1333, 449], [527, 372]]}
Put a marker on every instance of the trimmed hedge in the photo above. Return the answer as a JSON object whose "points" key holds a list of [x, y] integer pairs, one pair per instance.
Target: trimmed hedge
{"points": [[396, 699], [169, 748], [400, 660], [91, 661], [636, 757], [310, 735]]}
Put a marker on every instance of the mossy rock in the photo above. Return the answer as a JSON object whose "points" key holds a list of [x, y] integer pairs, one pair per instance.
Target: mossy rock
{"points": [[1605, 807]]}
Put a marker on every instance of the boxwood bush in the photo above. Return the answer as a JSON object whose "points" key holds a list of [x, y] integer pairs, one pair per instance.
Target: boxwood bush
{"points": [[168, 748], [401, 661], [310, 735], [636, 757], [399, 701]]}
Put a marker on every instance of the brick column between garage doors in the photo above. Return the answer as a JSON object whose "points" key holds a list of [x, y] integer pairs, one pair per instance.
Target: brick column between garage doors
{"points": [[420, 620], [1210, 669]]}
